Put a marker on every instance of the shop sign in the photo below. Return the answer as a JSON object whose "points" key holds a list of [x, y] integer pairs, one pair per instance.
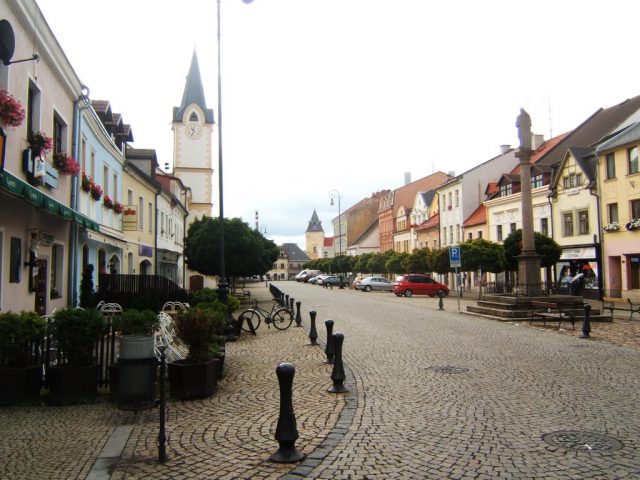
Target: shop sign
{"points": [[130, 218], [578, 253]]}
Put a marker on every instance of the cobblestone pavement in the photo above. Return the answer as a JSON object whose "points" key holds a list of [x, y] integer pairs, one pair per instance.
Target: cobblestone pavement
{"points": [[432, 395]]}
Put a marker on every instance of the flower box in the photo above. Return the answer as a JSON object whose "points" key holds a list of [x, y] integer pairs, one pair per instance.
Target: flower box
{"points": [[118, 207], [11, 110], [96, 191], [611, 227], [634, 224], [39, 143], [65, 164], [107, 201], [86, 183]]}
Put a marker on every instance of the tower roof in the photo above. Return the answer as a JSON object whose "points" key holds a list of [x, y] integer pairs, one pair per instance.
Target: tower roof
{"points": [[193, 93], [315, 225]]}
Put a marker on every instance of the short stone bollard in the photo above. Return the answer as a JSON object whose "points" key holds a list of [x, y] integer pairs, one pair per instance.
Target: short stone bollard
{"points": [[286, 430], [298, 317], [313, 333], [441, 301], [337, 374], [586, 323], [329, 349]]}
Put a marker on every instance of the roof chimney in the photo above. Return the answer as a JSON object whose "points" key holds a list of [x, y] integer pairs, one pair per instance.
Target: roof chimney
{"points": [[407, 178], [504, 149], [537, 141]]}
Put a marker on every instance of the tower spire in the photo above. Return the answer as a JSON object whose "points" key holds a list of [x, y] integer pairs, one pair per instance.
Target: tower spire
{"points": [[193, 93]]}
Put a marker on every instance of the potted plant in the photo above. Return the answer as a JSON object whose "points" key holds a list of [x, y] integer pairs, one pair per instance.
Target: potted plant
{"points": [[75, 332], [136, 328], [21, 338], [634, 224], [39, 143], [96, 191], [11, 110], [196, 376], [65, 164], [118, 207], [107, 201], [86, 183]]}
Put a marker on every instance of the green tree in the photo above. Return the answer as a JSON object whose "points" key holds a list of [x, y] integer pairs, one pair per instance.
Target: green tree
{"points": [[395, 263], [545, 246], [481, 254], [440, 260], [376, 264], [247, 252], [418, 261]]}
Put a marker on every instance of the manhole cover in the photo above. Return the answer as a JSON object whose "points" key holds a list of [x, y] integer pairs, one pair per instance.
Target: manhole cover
{"points": [[448, 369], [582, 441]]}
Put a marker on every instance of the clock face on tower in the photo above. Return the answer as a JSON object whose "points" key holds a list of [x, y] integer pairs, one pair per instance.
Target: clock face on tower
{"points": [[193, 130]]}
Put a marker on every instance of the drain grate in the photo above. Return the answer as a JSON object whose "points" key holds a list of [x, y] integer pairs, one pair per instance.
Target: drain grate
{"points": [[582, 441], [449, 369]]}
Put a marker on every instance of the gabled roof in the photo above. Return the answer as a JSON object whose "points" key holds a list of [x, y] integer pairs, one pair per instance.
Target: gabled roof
{"points": [[315, 225], [366, 232], [629, 135], [478, 217], [585, 158], [193, 94], [293, 252], [405, 195], [432, 222], [427, 197]]}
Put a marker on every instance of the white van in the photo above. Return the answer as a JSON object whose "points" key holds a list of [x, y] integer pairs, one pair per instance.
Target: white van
{"points": [[306, 274]]}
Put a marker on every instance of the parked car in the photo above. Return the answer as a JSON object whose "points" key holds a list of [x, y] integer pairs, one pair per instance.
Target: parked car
{"points": [[418, 284], [314, 280], [320, 278], [356, 282], [374, 283], [333, 280]]}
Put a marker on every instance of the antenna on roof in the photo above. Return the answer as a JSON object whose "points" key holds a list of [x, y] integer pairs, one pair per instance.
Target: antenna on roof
{"points": [[550, 128]]}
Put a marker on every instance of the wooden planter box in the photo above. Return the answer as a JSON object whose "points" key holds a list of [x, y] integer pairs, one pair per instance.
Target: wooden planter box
{"points": [[192, 380], [69, 385], [19, 384]]}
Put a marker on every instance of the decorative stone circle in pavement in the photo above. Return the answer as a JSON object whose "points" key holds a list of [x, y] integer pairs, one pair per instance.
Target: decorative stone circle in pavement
{"points": [[450, 369], [582, 441]]}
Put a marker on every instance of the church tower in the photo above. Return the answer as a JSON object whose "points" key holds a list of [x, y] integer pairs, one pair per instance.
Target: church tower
{"points": [[314, 237], [192, 127]]}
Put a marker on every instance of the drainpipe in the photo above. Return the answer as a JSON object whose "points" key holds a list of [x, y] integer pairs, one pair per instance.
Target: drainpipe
{"points": [[596, 244], [79, 105], [555, 277]]}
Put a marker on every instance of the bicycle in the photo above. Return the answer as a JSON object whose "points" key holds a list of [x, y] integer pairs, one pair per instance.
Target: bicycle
{"points": [[281, 317]]}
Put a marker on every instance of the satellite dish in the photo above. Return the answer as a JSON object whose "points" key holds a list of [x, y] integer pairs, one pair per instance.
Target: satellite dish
{"points": [[7, 42]]}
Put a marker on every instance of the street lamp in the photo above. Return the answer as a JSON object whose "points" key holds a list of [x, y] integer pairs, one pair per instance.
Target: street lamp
{"points": [[223, 287], [332, 195]]}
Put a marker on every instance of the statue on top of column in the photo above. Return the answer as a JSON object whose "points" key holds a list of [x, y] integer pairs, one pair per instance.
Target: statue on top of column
{"points": [[523, 123]]}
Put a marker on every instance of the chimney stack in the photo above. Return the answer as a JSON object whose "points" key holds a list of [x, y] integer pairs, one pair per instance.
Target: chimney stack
{"points": [[407, 178], [504, 149]]}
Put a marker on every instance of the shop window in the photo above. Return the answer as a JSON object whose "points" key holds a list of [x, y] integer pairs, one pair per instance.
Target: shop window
{"points": [[57, 266], [634, 272], [583, 222], [632, 160], [15, 260]]}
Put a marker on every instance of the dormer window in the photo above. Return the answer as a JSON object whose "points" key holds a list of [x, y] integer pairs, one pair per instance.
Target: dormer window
{"points": [[505, 190], [194, 117]]}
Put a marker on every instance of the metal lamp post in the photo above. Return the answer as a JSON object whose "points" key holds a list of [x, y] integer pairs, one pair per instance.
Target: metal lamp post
{"points": [[332, 195], [223, 287]]}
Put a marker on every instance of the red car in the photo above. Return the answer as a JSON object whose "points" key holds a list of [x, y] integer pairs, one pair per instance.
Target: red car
{"points": [[418, 284]]}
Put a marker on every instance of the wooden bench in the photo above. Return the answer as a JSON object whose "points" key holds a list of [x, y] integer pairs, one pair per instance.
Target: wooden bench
{"points": [[553, 311], [621, 304], [241, 292]]}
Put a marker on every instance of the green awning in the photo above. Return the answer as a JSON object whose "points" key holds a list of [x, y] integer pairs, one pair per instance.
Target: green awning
{"points": [[20, 188]]}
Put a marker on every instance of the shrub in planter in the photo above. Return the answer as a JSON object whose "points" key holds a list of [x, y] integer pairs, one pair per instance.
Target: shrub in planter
{"points": [[20, 372], [136, 327], [75, 332]]}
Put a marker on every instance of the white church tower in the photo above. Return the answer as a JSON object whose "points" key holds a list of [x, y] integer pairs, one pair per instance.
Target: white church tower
{"points": [[192, 155]]}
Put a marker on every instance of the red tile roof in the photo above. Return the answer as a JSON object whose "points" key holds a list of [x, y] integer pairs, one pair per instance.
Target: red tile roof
{"points": [[542, 150], [434, 221], [478, 217], [328, 241]]}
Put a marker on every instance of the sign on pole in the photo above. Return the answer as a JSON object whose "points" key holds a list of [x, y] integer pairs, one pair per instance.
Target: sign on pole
{"points": [[455, 259]]}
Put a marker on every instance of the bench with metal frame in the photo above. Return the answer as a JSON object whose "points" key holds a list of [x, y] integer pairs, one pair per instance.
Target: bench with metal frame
{"points": [[620, 304], [553, 311]]}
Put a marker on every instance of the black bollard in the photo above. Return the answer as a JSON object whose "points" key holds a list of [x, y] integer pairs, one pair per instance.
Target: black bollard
{"points": [[337, 375], [286, 431], [298, 317], [286, 301], [313, 333], [162, 436], [329, 350], [290, 306], [586, 324], [441, 302]]}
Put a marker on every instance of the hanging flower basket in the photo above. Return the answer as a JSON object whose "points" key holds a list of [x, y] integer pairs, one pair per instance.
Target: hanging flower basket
{"points": [[96, 191], [118, 207], [612, 227], [65, 164], [634, 224], [39, 143], [86, 183], [107, 201], [11, 110]]}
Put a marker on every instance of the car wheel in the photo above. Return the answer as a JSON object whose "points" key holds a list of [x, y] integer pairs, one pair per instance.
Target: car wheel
{"points": [[398, 294], [408, 293], [367, 288], [431, 295]]}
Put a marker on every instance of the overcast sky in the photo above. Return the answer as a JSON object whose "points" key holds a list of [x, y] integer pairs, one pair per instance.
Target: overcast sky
{"points": [[350, 94]]}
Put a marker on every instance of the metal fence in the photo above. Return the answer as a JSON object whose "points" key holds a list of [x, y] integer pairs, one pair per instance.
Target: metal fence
{"points": [[139, 291], [537, 289]]}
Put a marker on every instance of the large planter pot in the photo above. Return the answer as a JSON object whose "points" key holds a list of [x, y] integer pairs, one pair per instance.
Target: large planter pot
{"points": [[69, 385], [220, 365], [192, 380], [133, 383], [19, 384], [134, 347]]}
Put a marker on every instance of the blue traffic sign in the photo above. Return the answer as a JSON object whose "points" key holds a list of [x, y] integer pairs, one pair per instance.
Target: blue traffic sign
{"points": [[455, 259]]}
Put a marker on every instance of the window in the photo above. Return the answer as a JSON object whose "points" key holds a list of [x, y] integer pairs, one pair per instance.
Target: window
{"points": [[450, 201], [499, 233], [632, 160], [83, 154], [612, 209], [92, 164], [458, 233], [15, 265], [193, 117], [115, 186], [105, 179], [57, 257], [470, 236], [479, 233], [141, 213], [512, 227], [610, 164], [536, 181], [572, 180], [506, 190], [150, 206], [544, 226], [59, 132], [444, 203], [568, 224], [444, 236], [583, 222], [635, 208], [457, 198], [129, 197], [451, 234], [162, 223], [33, 108]]}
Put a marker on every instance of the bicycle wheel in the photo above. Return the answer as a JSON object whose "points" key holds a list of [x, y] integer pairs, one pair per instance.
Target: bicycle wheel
{"points": [[250, 316], [282, 318]]}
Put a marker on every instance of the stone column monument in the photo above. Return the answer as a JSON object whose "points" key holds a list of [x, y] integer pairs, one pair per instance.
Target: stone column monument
{"points": [[528, 260]]}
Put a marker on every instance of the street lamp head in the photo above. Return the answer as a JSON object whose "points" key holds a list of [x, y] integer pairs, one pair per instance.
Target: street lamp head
{"points": [[247, 2]]}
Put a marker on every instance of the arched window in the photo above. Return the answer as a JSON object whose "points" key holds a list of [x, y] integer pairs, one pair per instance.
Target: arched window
{"points": [[193, 117]]}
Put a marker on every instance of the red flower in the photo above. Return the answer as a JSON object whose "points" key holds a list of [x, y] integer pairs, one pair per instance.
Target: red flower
{"points": [[11, 111], [118, 207], [39, 143], [86, 182], [96, 191], [65, 164]]}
